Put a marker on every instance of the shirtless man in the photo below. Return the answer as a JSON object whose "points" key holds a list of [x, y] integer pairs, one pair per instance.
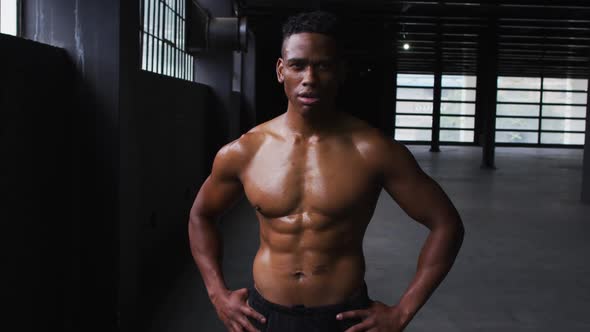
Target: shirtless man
{"points": [[314, 175]]}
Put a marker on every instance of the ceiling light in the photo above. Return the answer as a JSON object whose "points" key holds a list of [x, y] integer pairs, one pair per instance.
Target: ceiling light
{"points": [[406, 46]]}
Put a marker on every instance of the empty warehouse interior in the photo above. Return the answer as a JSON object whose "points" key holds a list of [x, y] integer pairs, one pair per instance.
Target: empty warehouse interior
{"points": [[111, 114]]}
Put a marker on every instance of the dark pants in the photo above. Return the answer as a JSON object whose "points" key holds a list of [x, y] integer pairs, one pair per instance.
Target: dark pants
{"points": [[299, 318]]}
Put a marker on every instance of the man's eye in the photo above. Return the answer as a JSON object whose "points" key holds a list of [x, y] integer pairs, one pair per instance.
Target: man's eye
{"points": [[297, 66]]}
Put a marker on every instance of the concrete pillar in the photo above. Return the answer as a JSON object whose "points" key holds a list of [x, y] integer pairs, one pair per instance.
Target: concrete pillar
{"points": [[487, 93], [389, 76], [437, 91]]}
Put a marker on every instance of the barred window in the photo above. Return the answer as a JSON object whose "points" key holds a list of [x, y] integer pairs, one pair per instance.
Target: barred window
{"points": [[536, 110], [457, 108], [413, 118], [414, 108], [162, 39]]}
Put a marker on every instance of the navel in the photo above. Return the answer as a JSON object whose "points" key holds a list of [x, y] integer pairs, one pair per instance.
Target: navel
{"points": [[298, 275]]}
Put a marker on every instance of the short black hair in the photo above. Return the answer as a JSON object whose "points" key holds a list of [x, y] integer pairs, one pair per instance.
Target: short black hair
{"points": [[317, 21]]}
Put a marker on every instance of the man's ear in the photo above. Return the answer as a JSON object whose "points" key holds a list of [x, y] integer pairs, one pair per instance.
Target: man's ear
{"points": [[280, 67]]}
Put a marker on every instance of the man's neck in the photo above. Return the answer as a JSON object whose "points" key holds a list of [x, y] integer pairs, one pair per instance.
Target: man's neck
{"points": [[314, 123]]}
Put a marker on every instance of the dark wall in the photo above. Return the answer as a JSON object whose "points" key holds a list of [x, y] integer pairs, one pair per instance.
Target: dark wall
{"points": [[270, 97], [36, 164], [89, 33], [248, 85], [215, 69], [362, 94], [172, 136], [136, 157]]}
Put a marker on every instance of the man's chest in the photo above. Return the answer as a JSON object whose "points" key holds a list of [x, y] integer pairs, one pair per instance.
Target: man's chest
{"points": [[330, 179]]}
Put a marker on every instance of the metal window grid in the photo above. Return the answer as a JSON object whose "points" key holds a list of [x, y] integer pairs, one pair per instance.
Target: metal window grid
{"points": [[162, 38], [540, 131], [462, 128]]}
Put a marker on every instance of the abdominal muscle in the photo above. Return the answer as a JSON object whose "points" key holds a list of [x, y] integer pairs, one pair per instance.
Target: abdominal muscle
{"points": [[310, 267]]}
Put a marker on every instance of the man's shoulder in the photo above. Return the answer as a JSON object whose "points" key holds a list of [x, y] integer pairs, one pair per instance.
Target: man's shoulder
{"points": [[375, 146], [359, 129], [366, 136], [241, 150]]}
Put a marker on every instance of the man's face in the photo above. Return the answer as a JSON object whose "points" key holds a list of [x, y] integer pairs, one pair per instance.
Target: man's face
{"points": [[309, 70]]}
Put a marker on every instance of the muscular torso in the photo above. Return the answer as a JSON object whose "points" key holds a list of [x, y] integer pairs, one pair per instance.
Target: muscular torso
{"points": [[314, 199]]}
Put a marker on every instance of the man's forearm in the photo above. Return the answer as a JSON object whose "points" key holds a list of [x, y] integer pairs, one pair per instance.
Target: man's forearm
{"points": [[436, 259], [207, 250]]}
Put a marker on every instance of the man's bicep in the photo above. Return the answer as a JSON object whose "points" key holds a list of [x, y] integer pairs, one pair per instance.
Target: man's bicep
{"points": [[414, 191], [216, 196], [223, 187]]}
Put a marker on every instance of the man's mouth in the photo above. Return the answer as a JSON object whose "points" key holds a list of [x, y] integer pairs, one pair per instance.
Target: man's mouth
{"points": [[308, 98]]}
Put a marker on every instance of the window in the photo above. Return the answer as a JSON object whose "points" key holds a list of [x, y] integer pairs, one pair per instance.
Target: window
{"points": [[457, 108], [413, 118], [162, 39], [534, 110], [414, 108], [9, 17]]}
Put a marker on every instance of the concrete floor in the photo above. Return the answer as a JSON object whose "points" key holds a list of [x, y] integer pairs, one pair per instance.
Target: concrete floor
{"points": [[523, 265]]}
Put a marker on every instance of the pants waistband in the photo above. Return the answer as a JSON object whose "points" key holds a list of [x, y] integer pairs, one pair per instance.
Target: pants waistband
{"points": [[359, 299]]}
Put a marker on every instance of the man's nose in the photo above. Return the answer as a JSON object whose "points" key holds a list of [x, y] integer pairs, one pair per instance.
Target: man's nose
{"points": [[310, 75]]}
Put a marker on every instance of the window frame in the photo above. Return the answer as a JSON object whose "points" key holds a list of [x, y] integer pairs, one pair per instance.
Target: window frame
{"points": [[162, 50], [540, 105], [470, 129], [397, 113]]}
